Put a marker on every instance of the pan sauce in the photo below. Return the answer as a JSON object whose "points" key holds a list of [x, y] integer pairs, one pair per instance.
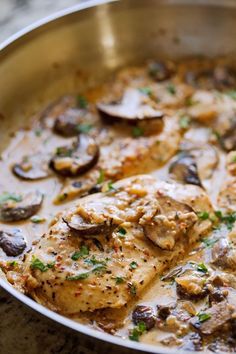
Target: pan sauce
{"points": [[172, 120]]}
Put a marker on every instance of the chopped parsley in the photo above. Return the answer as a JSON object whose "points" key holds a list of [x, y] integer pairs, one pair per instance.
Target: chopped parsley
{"points": [[37, 264], [101, 177], [132, 289], [137, 132], [203, 316], [233, 158], [137, 331], [209, 242], [5, 197], [38, 132], [12, 263], [203, 215], [189, 102], [84, 128], [171, 89], [82, 102], [63, 151], [228, 219], [133, 265], [145, 90], [110, 186], [201, 267], [36, 219], [231, 94], [94, 261], [84, 251], [119, 280], [85, 275], [184, 122], [122, 232]]}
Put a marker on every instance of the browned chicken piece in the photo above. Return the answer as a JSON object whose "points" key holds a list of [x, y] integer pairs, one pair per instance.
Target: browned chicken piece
{"points": [[68, 272]]}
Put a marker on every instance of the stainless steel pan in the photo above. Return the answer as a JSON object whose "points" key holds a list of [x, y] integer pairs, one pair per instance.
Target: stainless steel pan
{"points": [[58, 55]]}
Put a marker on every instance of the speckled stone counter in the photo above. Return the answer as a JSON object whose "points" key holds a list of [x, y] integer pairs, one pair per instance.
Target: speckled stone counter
{"points": [[21, 329]]}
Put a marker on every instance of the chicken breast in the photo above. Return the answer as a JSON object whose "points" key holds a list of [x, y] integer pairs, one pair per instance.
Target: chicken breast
{"points": [[101, 253]]}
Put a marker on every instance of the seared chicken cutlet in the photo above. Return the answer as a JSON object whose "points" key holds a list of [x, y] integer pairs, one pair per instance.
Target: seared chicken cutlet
{"points": [[102, 252]]}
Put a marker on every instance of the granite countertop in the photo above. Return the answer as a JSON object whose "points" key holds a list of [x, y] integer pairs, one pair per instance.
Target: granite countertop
{"points": [[21, 329]]}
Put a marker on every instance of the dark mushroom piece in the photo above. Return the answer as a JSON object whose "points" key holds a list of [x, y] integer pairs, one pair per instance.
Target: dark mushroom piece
{"points": [[83, 228], [15, 211], [192, 342], [158, 230], [214, 318], [161, 71], [67, 123], [224, 77], [77, 158], [131, 109], [32, 168], [55, 109], [12, 243], [163, 311], [144, 314], [184, 169], [228, 139]]}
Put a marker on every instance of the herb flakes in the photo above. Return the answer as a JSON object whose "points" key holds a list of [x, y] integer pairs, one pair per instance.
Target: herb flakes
{"points": [[84, 251]]}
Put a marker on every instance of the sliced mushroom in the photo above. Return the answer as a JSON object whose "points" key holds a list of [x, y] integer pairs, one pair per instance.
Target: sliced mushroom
{"points": [[163, 311], [228, 139], [184, 169], [160, 70], [77, 158], [83, 228], [191, 287], [32, 167], [12, 243], [15, 211], [219, 253], [192, 342], [133, 108], [171, 221], [216, 316], [55, 109], [67, 123], [144, 314]]}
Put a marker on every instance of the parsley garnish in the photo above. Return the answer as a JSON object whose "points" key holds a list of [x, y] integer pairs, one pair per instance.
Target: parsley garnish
{"points": [[119, 280], [209, 242], [137, 331], [84, 251], [146, 90], [101, 177], [203, 316], [201, 267], [85, 275], [122, 232], [133, 265], [233, 158], [171, 89], [84, 128], [36, 219], [203, 215], [63, 151], [132, 289], [93, 260], [231, 94], [4, 197], [37, 264], [38, 132], [110, 186], [228, 219], [184, 122], [137, 132], [82, 102]]}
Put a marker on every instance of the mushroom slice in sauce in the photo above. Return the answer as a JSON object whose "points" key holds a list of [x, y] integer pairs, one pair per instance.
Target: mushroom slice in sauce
{"points": [[184, 169], [133, 108], [12, 243], [215, 317], [34, 167], [77, 158], [228, 139], [67, 123], [144, 314], [15, 211], [170, 222], [161, 71], [83, 228]]}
